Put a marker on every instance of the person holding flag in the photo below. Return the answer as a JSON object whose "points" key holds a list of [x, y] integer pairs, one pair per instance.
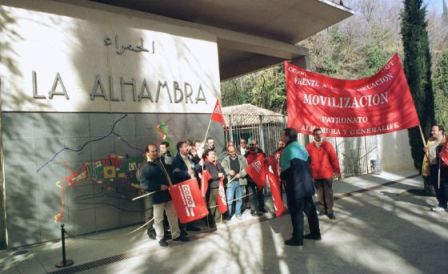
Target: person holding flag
{"points": [[184, 169], [295, 171], [234, 166], [438, 170], [154, 178], [257, 199], [217, 173]]}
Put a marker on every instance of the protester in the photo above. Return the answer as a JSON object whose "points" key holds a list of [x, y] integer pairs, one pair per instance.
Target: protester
{"points": [[234, 166], [324, 165], [281, 144], [256, 195], [210, 143], [196, 152], [217, 173], [243, 147], [299, 188], [165, 156], [438, 172], [154, 178], [183, 169]]}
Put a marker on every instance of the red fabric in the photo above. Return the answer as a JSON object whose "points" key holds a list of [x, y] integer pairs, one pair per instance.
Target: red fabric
{"points": [[274, 161], [206, 176], [217, 114], [258, 170], [187, 201], [276, 190], [324, 162], [444, 154], [221, 199], [375, 105]]}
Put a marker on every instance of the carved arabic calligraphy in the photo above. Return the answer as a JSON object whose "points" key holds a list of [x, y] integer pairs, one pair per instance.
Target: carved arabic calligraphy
{"points": [[120, 49]]}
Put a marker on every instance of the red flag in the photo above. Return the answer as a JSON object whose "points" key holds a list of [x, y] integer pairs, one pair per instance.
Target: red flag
{"points": [[221, 199], [206, 176], [258, 170], [187, 201], [274, 161], [374, 105], [217, 114], [444, 154], [276, 191]]}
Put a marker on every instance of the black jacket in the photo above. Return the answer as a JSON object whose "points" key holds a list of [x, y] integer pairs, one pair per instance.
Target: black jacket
{"points": [[214, 170], [180, 170], [299, 183], [152, 177]]}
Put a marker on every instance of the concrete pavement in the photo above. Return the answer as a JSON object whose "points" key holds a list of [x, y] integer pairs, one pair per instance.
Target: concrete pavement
{"points": [[380, 228]]}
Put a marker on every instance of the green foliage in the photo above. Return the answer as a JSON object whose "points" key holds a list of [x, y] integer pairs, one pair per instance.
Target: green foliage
{"points": [[441, 89], [417, 66], [264, 89]]}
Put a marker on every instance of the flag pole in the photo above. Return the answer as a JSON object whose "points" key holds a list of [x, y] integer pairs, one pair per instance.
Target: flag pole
{"points": [[422, 135]]}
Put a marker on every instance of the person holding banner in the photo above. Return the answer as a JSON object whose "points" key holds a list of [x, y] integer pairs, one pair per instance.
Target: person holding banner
{"points": [[296, 173], [235, 167], [324, 165], [438, 171], [154, 178], [257, 199], [216, 171], [184, 169]]}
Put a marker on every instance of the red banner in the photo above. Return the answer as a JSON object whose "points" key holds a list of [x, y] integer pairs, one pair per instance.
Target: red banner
{"points": [[187, 201], [204, 182], [274, 161], [375, 105], [221, 199], [258, 170], [276, 191]]}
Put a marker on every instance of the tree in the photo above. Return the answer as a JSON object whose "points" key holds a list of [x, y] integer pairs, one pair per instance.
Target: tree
{"points": [[441, 89], [417, 66]]}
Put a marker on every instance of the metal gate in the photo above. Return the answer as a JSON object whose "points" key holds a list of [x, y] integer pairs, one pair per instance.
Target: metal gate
{"points": [[266, 129], [357, 156]]}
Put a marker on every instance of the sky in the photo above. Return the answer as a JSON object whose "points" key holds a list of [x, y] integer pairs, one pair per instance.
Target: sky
{"points": [[435, 4]]}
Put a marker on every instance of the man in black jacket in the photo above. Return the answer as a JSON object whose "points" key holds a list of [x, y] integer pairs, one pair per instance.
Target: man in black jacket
{"points": [[299, 188], [184, 169], [154, 178]]}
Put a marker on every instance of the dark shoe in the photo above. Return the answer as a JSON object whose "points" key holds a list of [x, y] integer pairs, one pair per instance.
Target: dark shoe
{"points": [[193, 228], [293, 242], [163, 242], [183, 233], [331, 216], [151, 234], [312, 237], [253, 213], [262, 211], [181, 239]]}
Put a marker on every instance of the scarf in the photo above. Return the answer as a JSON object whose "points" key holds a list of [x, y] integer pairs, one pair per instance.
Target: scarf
{"points": [[292, 151]]}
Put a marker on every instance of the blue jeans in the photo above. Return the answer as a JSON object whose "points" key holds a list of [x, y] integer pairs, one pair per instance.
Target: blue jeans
{"points": [[234, 191]]}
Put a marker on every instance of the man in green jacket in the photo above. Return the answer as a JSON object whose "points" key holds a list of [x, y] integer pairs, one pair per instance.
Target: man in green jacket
{"points": [[235, 167]]}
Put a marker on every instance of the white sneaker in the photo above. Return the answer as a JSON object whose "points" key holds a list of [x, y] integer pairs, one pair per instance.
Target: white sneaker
{"points": [[438, 209]]}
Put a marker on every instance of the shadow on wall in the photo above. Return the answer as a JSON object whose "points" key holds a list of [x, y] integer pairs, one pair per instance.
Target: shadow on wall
{"points": [[20, 152]]}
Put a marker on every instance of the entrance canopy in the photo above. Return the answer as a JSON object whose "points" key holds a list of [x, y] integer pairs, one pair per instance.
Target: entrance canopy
{"points": [[251, 34]]}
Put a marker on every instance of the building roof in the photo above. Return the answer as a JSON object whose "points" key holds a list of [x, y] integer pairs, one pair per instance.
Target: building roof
{"points": [[251, 34], [249, 115]]}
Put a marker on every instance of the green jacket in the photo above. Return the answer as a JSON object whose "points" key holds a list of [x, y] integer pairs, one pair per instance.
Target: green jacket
{"points": [[243, 164]]}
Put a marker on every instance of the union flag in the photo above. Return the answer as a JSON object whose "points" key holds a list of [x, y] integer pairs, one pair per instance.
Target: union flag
{"points": [[258, 170], [217, 114]]}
